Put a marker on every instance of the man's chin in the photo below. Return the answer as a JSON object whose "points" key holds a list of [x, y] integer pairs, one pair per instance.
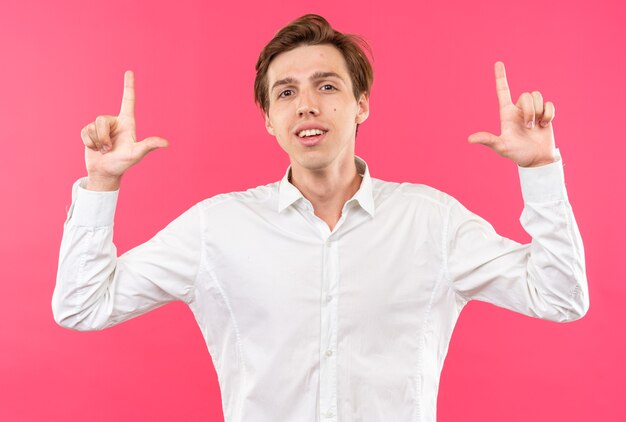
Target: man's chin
{"points": [[313, 161]]}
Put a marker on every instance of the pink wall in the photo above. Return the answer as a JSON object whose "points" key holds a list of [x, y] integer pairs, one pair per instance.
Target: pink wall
{"points": [[62, 64]]}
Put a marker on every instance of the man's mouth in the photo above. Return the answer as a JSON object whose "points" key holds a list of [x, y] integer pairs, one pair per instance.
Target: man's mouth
{"points": [[310, 133], [311, 137]]}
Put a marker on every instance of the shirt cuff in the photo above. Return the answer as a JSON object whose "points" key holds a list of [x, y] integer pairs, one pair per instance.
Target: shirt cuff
{"points": [[91, 208], [544, 183]]}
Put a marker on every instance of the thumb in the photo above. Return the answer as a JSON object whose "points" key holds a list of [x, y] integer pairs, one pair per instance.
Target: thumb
{"points": [[484, 138], [150, 144]]}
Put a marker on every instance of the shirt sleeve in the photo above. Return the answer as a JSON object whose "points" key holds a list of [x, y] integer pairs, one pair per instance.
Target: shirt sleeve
{"points": [[96, 289], [544, 279]]}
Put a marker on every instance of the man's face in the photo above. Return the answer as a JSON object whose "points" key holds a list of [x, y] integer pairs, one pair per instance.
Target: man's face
{"points": [[313, 113]]}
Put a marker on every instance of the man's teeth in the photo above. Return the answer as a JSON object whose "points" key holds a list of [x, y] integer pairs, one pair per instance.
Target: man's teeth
{"points": [[310, 132]]}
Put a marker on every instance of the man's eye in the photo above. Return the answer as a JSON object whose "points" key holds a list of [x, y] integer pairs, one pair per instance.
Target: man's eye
{"points": [[285, 93], [328, 87]]}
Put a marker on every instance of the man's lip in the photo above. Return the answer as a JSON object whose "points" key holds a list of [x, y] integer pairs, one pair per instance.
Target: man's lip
{"points": [[309, 127], [309, 141]]}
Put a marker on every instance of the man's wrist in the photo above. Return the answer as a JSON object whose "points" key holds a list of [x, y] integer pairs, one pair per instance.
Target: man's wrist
{"points": [[539, 163], [102, 184], [543, 161]]}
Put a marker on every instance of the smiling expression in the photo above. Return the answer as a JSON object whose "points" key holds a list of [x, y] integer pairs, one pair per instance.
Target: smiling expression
{"points": [[312, 109]]}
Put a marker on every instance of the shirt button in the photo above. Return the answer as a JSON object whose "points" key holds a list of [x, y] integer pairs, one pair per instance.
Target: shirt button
{"points": [[329, 414], [329, 353], [329, 298]]}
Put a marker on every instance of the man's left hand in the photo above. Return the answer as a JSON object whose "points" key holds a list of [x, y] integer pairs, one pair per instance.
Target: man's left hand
{"points": [[526, 127]]}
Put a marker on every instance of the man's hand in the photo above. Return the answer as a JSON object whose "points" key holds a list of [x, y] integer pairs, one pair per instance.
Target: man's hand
{"points": [[526, 130], [111, 147]]}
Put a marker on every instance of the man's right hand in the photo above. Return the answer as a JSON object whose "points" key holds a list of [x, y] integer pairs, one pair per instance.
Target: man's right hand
{"points": [[111, 147]]}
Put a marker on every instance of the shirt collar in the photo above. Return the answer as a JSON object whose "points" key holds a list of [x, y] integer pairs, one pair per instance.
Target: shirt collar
{"points": [[288, 193]]}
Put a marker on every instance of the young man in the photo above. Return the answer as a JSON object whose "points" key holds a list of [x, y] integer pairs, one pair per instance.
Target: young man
{"points": [[329, 295]]}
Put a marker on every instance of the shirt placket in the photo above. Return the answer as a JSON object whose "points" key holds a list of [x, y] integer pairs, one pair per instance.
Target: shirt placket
{"points": [[328, 311], [328, 343]]}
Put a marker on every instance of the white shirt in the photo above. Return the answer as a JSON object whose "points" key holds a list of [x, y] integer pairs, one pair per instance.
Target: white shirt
{"points": [[304, 324]]}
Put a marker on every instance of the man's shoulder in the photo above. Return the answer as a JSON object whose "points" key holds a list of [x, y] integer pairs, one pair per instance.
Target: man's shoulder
{"points": [[411, 192], [256, 195]]}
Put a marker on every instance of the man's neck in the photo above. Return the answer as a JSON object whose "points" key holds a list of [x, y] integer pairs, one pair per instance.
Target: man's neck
{"points": [[327, 189]]}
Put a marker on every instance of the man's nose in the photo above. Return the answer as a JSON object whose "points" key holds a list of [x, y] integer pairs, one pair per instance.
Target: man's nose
{"points": [[307, 104]]}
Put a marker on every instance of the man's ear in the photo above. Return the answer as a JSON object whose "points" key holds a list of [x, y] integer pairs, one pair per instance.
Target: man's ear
{"points": [[268, 125], [364, 108]]}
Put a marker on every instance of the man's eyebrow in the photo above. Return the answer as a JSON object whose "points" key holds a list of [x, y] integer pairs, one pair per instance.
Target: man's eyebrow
{"points": [[286, 81], [325, 75], [316, 76]]}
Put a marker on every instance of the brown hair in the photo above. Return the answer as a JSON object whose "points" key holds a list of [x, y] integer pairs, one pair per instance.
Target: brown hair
{"points": [[313, 30]]}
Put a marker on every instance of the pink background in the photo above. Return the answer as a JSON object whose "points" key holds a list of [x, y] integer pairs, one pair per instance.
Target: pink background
{"points": [[62, 64]]}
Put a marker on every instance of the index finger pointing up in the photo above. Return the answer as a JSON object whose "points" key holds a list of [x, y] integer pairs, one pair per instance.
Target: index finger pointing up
{"points": [[502, 86], [128, 98]]}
